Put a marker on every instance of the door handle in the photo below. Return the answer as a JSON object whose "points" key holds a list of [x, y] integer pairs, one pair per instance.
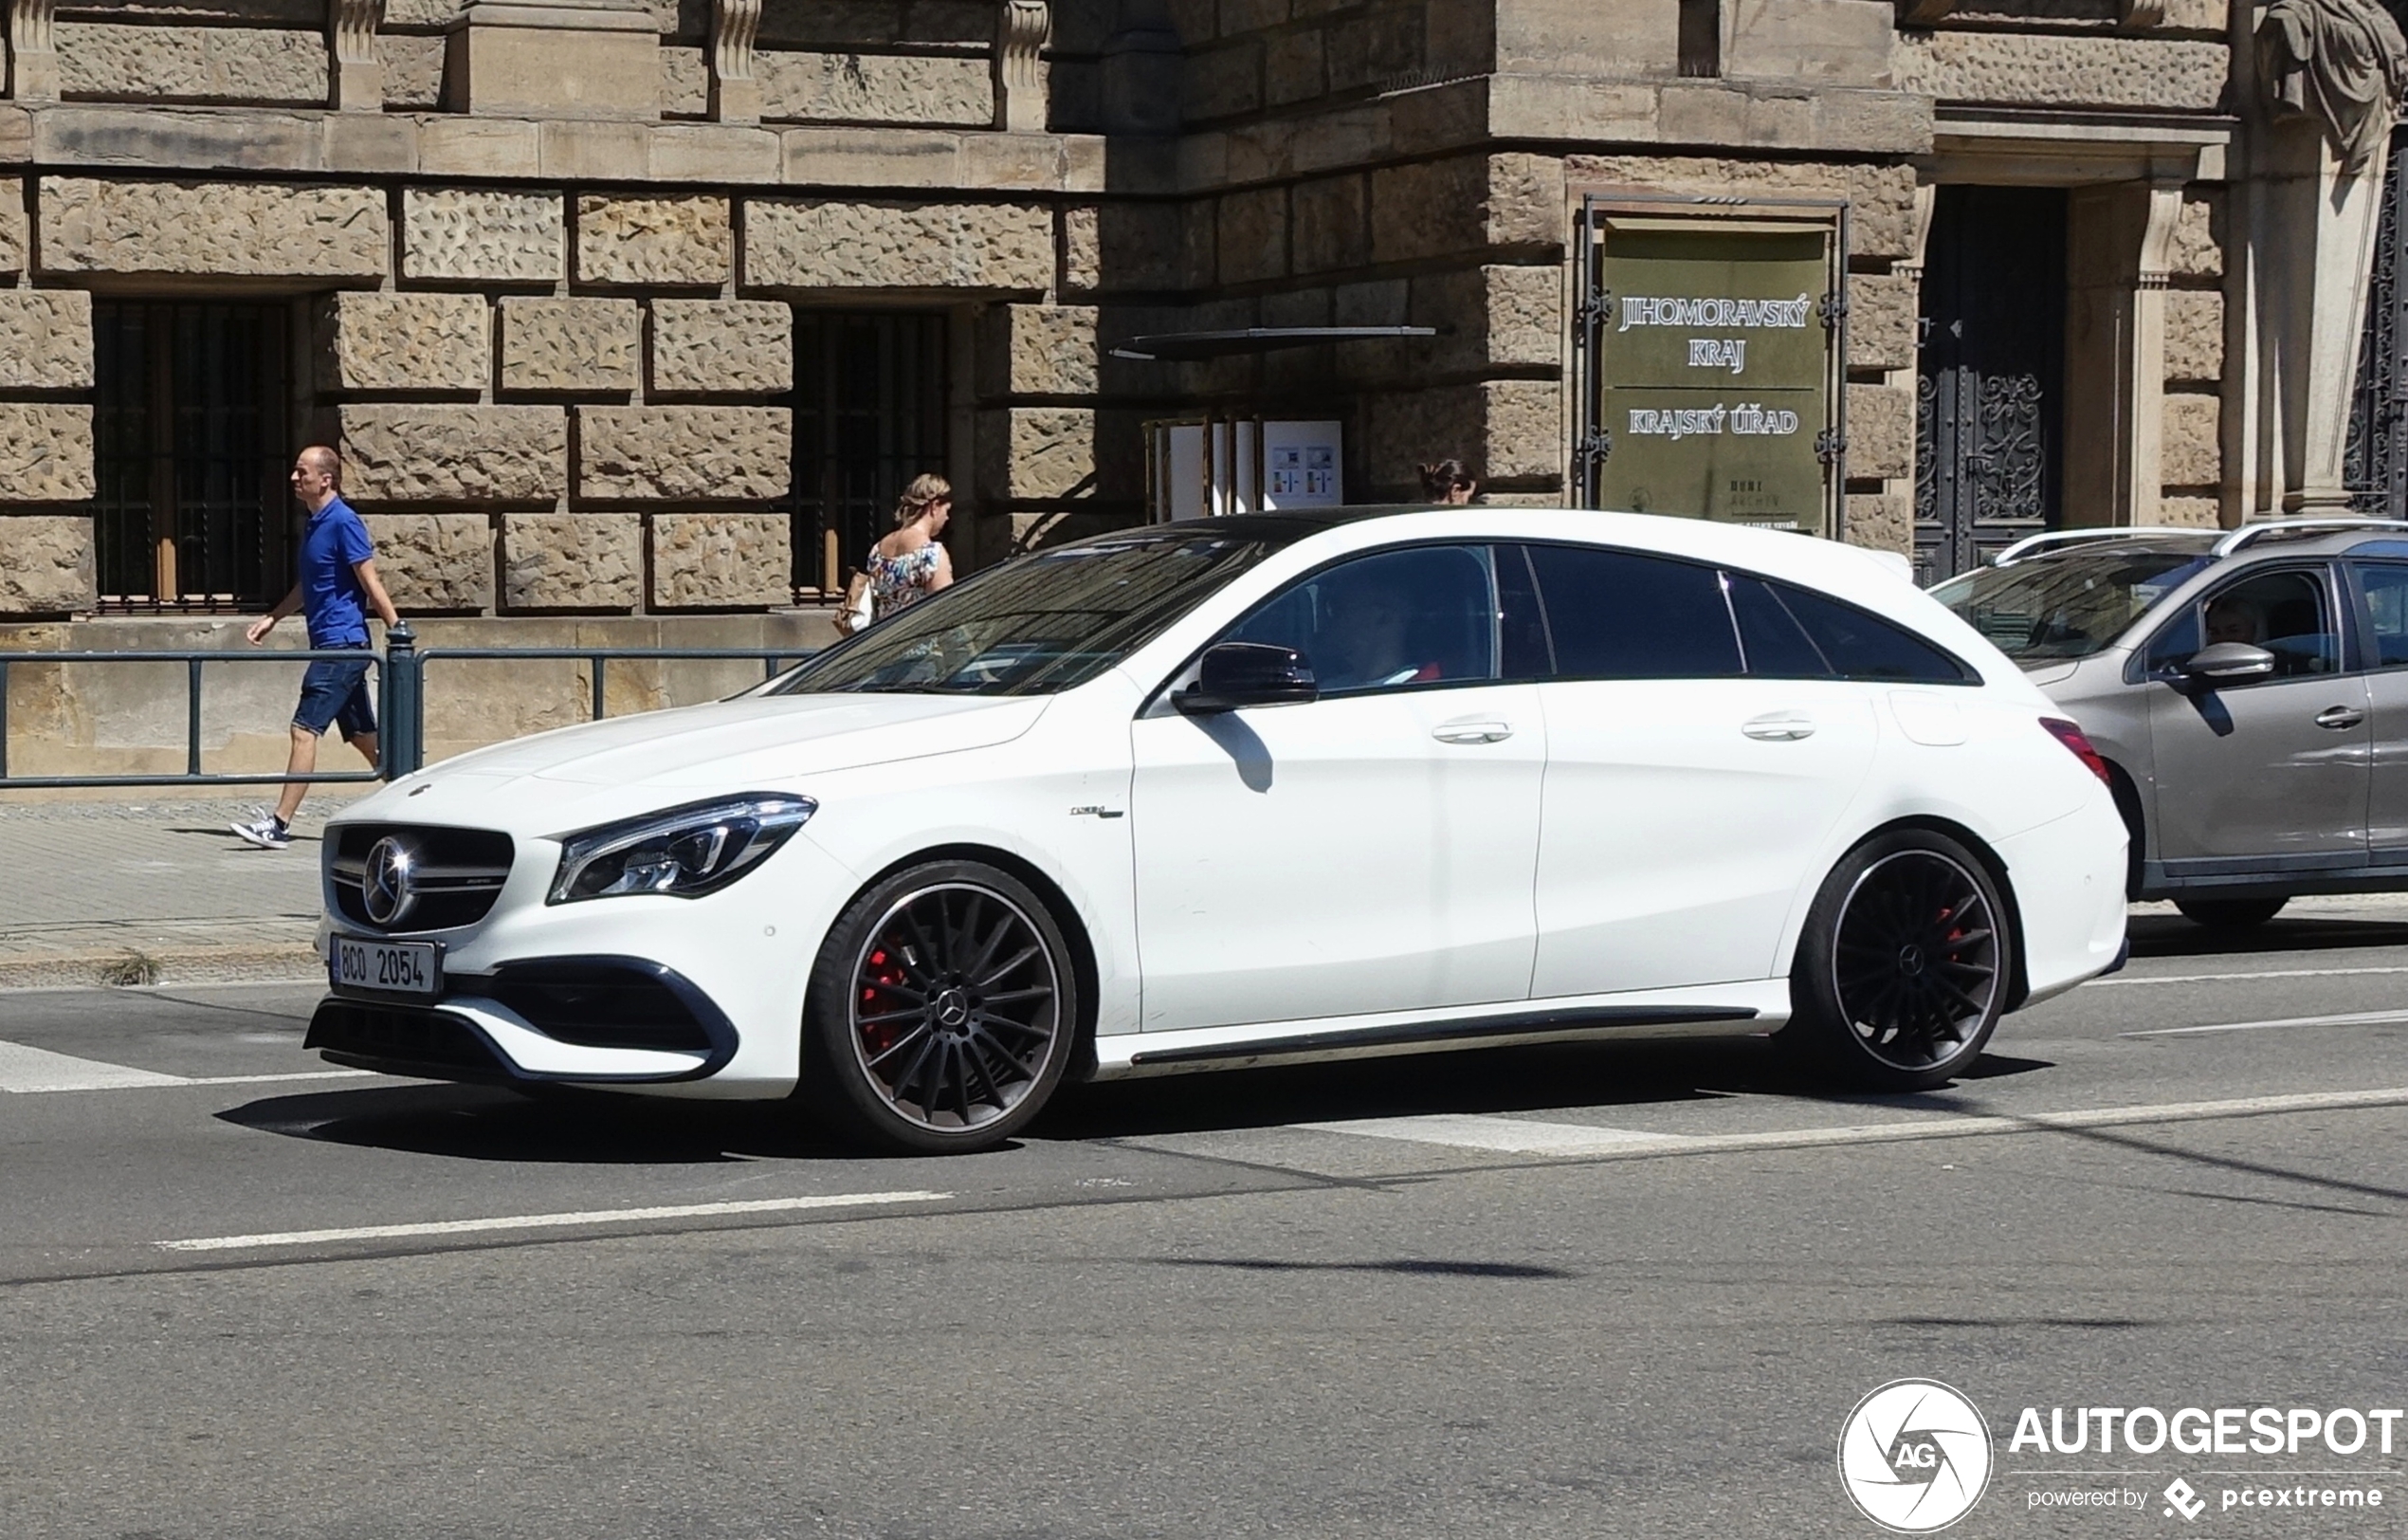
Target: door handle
{"points": [[1472, 732], [1779, 726], [2340, 718]]}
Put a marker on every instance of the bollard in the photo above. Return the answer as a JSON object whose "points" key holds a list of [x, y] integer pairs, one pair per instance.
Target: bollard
{"points": [[405, 726]]}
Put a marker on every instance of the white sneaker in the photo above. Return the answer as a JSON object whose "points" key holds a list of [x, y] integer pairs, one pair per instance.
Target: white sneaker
{"points": [[264, 831]]}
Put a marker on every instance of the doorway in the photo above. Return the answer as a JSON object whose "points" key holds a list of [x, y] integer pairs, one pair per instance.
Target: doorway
{"points": [[1990, 375]]}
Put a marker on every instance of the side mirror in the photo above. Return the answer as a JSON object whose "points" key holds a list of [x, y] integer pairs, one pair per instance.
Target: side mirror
{"points": [[1238, 674], [2229, 661]]}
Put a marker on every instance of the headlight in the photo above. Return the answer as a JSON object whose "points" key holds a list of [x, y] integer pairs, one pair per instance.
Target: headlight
{"points": [[684, 851]]}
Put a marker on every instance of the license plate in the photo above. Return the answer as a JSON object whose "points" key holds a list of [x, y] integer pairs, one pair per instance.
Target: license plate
{"points": [[387, 967]]}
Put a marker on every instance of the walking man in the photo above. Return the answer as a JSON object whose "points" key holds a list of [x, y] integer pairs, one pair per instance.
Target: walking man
{"points": [[338, 573]]}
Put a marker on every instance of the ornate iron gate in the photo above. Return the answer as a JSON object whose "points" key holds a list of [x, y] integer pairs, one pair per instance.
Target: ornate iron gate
{"points": [[1989, 375], [2375, 465]]}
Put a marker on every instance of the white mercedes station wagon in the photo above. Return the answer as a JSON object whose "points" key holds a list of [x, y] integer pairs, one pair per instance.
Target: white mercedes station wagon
{"points": [[1248, 789]]}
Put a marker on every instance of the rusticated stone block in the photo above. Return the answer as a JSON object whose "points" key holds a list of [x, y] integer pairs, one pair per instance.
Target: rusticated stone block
{"points": [[1497, 315], [455, 453], [582, 345], [1252, 235], [404, 342], [46, 340], [848, 23], [828, 243], [45, 564], [657, 241], [12, 225], [722, 347], [2199, 237], [1038, 350], [720, 560], [685, 82], [1466, 204], [222, 229], [1882, 311], [2040, 69], [192, 64], [2190, 456], [684, 453], [435, 560], [1026, 454], [2195, 336], [45, 452], [572, 561], [1503, 429], [876, 88], [1881, 431], [1082, 250], [1331, 223], [1881, 197], [2189, 512], [477, 236], [1881, 521], [413, 72]]}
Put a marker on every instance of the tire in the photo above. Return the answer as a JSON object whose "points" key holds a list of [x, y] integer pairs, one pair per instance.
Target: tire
{"points": [[941, 1012], [1904, 967], [2230, 913]]}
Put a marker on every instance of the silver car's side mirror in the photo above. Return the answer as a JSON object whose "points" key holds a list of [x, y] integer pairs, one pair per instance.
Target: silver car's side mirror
{"points": [[2226, 661]]}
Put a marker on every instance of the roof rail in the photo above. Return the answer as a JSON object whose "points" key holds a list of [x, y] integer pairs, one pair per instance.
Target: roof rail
{"points": [[2257, 529], [2031, 543]]}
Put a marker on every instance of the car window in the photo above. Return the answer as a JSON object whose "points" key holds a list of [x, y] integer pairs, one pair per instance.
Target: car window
{"points": [[2072, 602], [1776, 646], [1619, 615], [1863, 645], [1522, 622], [2386, 590], [2286, 612], [1423, 616]]}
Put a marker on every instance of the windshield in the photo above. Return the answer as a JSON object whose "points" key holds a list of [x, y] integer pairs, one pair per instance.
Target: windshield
{"points": [[2065, 606], [1035, 625]]}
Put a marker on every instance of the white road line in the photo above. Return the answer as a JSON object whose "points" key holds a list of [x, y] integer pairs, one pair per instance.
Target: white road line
{"points": [[1513, 1136], [1608, 1144], [2357, 1019], [2220, 978], [35, 1071], [548, 1221]]}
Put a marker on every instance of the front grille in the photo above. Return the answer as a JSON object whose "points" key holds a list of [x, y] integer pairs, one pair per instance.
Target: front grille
{"points": [[403, 1039], [456, 872], [600, 1004]]}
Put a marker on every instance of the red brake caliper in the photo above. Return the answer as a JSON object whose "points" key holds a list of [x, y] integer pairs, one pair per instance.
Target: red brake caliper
{"points": [[881, 971]]}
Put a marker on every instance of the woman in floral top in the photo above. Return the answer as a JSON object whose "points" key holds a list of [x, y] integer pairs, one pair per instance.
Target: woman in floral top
{"points": [[909, 564]]}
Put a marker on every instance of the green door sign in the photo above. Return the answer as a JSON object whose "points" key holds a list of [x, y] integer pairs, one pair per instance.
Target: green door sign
{"points": [[1714, 370]]}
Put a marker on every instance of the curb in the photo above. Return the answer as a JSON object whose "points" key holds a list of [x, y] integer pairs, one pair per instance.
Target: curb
{"points": [[167, 966]]}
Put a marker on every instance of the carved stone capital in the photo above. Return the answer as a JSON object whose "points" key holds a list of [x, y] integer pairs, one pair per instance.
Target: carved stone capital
{"points": [[359, 74], [1022, 29], [735, 95], [33, 53]]}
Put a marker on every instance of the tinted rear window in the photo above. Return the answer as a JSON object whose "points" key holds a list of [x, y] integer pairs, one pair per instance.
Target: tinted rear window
{"points": [[1617, 615], [1860, 646]]}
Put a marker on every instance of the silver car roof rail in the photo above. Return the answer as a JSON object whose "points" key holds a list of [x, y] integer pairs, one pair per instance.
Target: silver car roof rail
{"points": [[2031, 543], [2257, 529]]}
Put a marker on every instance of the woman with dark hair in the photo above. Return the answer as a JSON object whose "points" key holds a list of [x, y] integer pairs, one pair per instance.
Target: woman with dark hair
{"points": [[1446, 480]]}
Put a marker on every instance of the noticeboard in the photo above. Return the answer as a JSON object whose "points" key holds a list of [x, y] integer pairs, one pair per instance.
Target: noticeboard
{"points": [[1714, 364]]}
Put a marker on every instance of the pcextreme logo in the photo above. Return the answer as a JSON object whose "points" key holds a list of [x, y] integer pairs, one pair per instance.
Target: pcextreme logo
{"points": [[1914, 1456]]}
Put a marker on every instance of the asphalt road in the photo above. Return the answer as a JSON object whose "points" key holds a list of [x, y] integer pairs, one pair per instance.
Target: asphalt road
{"points": [[1615, 1291]]}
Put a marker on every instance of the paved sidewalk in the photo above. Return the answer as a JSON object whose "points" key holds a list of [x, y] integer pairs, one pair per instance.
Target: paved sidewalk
{"points": [[155, 891]]}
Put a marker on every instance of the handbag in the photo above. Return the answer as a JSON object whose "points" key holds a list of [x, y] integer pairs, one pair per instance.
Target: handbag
{"points": [[856, 614]]}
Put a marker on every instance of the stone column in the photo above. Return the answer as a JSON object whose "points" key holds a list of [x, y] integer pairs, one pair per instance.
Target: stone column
{"points": [[33, 56], [1022, 29], [735, 95], [555, 59], [359, 75], [2118, 239]]}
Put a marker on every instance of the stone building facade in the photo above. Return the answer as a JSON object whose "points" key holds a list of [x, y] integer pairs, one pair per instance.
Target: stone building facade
{"points": [[641, 308]]}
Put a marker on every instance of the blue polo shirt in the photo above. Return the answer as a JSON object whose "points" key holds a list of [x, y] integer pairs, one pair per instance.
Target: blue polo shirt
{"points": [[334, 543]]}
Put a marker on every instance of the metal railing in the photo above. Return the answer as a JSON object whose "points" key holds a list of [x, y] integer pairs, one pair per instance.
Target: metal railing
{"points": [[401, 706]]}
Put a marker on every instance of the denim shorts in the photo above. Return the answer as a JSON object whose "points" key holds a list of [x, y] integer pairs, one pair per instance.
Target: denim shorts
{"points": [[335, 692]]}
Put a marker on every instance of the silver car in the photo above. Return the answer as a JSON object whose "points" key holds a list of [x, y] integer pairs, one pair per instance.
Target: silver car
{"points": [[2249, 689]]}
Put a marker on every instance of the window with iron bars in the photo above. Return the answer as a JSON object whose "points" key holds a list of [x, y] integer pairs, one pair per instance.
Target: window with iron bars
{"points": [[192, 444], [870, 414]]}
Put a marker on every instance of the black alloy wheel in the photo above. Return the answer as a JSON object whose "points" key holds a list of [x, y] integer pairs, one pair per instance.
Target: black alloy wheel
{"points": [[2230, 913], [1905, 966], [941, 1012]]}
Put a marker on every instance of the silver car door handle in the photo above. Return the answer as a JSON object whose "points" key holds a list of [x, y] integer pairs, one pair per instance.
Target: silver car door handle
{"points": [[1779, 726], [2340, 717], [1472, 732]]}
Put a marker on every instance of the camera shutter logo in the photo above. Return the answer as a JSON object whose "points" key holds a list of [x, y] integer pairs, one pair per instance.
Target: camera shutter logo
{"points": [[1914, 1456], [385, 891]]}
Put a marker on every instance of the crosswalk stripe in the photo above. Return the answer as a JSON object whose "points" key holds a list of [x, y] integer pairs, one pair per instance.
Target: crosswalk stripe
{"points": [[1511, 1136], [33, 1071], [549, 1221]]}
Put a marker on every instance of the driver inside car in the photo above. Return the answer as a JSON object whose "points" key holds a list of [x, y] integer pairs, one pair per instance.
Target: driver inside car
{"points": [[1369, 641]]}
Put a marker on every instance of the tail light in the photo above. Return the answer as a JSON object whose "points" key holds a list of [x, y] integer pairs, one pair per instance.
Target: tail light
{"points": [[2079, 746]]}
